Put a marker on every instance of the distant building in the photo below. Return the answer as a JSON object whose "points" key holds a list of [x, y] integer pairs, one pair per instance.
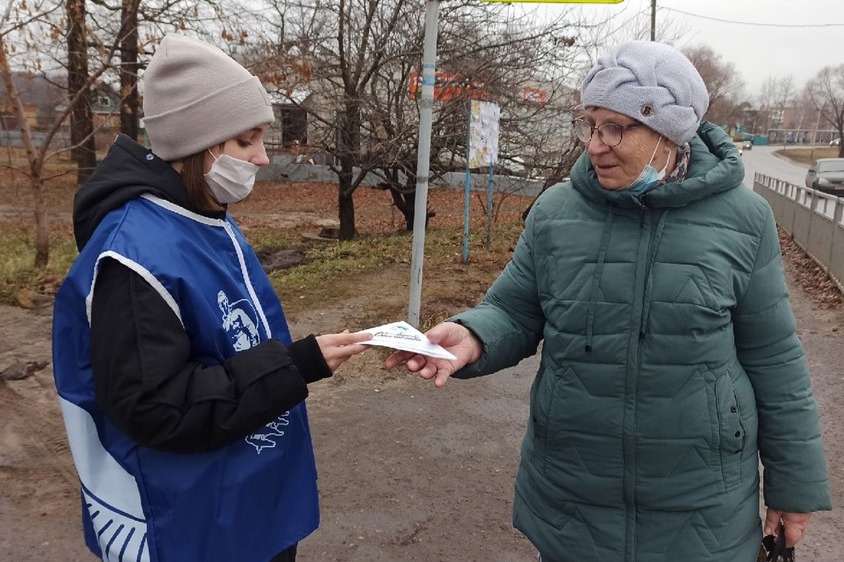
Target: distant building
{"points": [[41, 97], [44, 99]]}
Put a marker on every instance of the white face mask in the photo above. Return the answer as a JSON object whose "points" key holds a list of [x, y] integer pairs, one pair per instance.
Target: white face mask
{"points": [[231, 179]]}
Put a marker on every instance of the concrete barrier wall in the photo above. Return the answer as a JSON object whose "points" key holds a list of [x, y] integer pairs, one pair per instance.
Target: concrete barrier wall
{"points": [[15, 139], [286, 167], [814, 219]]}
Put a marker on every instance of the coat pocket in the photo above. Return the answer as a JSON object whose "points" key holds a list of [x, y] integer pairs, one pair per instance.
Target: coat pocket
{"points": [[572, 443], [541, 404], [729, 434]]}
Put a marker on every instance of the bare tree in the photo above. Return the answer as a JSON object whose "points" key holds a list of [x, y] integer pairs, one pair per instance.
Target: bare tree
{"points": [[723, 82], [84, 150], [360, 33], [86, 46], [26, 19], [560, 171], [776, 95], [630, 23], [139, 26], [826, 90], [803, 117], [505, 60], [364, 62], [128, 70]]}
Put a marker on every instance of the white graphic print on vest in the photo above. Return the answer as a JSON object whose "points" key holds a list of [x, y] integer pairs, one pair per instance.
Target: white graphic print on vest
{"points": [[240, 321], [111, 494], [121, 537], [266, 437]]}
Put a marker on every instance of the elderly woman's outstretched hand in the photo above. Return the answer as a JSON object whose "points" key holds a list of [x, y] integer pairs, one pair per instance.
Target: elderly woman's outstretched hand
{"points": [[457, 339]]}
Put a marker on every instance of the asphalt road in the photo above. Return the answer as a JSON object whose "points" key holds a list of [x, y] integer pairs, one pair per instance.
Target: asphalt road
{"points": [[761, 159]]}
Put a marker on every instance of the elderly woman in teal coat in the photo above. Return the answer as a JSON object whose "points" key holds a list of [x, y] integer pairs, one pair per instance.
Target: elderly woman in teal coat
{"points": [[670, 364]]}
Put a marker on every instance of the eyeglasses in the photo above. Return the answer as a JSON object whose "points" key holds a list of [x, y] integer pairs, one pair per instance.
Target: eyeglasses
{"points": [[609, 133]]}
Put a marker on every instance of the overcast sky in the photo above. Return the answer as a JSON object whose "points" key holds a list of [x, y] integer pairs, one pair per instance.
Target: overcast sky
{"points": [[779, 49]]}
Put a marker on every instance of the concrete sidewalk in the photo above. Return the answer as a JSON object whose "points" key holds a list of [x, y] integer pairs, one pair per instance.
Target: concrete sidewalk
{"points": [[822, 334]]}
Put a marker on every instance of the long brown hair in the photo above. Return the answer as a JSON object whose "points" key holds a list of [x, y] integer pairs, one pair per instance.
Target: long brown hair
{"points": [[193, 176]]}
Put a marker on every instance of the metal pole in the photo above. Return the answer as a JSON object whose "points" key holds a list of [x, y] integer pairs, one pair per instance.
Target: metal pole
{"points": [[489, 207], [426, 108], [653, 20], [818, 125], [467, 184]]}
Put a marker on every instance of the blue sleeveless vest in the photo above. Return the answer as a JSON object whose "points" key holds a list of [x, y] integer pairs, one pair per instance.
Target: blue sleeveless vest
{"points": [[246, 501]]}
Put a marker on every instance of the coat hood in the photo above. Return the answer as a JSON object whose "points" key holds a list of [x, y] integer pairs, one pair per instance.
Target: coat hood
{"points": [[128, 171], [715, 166]]}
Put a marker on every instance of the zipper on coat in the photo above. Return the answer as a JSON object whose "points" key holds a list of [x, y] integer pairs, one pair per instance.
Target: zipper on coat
{"points": [[631, 383]]}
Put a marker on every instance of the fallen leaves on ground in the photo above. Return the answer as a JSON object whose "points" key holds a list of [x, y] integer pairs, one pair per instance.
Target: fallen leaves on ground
{"points": [[811, 277]]}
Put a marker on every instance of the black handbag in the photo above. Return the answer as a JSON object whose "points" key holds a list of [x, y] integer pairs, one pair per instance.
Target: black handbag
{"points": [[773, 549]]}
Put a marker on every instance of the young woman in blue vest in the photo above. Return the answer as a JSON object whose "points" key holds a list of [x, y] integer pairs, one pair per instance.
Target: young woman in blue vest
{"points": [[670, 365], [182, 393]]}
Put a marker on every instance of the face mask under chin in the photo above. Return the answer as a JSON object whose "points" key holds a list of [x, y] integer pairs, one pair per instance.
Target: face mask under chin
{"points": [[230, 179], [649, 176]]}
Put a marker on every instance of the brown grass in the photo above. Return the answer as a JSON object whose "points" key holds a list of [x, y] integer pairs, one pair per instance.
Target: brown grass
{"points": [[370, 274], [283, 215], [808, 155], [375, 267]]}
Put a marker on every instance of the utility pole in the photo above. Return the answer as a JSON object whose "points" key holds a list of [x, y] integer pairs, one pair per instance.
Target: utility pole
{"points": [[653, 20], [426, 107]]}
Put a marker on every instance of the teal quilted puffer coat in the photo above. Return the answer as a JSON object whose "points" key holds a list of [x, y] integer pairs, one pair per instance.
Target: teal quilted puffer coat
{"points": [[670, 365]]}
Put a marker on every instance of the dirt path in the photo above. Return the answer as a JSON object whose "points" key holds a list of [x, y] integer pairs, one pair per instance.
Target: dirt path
{"points": [[407, 472]]}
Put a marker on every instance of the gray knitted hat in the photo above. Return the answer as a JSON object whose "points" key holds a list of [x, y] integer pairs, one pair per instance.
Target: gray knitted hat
{"points": [[653, 83], [196, 96]]}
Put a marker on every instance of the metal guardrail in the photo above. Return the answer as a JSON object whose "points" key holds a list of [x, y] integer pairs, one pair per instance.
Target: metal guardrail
{"points": [[814, 219]]}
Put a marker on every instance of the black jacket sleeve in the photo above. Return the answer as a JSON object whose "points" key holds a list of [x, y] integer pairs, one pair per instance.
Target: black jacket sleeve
{"points": [[150, 387]]}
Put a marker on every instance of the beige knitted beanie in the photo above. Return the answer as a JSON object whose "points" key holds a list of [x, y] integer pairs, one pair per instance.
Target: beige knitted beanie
{"points": [[196, 96]]}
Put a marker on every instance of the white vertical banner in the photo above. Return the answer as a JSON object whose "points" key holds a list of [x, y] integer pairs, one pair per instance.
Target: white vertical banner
{"points": [[483, 134]]}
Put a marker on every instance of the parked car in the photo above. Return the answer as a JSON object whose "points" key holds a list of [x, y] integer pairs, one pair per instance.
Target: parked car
{"points": [[835, 142], [747, 144], [827, 175]]}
